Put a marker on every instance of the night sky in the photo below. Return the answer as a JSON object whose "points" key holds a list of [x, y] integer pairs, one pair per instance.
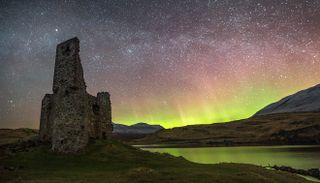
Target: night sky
{"points": [[168, 62]]}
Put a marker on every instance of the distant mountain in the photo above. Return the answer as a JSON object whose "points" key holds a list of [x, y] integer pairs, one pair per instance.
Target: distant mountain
{"points": [[139, 128], [307, 100]]}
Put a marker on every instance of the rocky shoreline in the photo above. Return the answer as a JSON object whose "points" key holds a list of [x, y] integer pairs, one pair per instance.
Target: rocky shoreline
{"points": [[313, 172]]}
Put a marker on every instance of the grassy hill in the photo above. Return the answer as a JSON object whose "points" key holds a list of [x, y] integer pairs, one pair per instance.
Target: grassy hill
{"points": [[284, 128], [111, 161], [8, 136]]}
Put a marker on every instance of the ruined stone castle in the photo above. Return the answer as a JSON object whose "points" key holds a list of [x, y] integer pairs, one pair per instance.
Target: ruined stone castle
{"points": [[70, 116]]}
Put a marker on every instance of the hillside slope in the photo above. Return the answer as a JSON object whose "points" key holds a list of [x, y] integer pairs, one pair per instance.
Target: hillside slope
{"points": [[272, 129], [307, 100], [8, 136]]}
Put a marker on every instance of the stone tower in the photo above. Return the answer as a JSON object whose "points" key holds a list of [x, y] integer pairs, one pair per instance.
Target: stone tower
{"points": [[70, 116]]}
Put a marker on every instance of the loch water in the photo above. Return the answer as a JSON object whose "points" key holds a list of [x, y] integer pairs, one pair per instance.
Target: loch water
{"points": [[302, 156]]}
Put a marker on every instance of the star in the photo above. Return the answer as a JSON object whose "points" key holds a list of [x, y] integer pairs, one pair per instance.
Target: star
{"points": [[174, 63]]}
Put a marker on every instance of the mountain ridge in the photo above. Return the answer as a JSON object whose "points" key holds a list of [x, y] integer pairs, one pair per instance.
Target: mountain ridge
{"points": [[307, 100], [138, 128]]}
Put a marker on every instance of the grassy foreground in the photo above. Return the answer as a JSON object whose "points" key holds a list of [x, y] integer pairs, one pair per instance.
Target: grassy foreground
{"points": [[112, 161]]}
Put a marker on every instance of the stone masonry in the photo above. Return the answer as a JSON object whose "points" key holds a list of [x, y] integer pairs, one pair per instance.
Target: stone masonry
{"points": [[70, 116]]}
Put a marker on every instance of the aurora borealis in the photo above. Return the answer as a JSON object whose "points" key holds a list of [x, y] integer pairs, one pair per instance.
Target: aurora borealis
{"points": [[168, 62]]}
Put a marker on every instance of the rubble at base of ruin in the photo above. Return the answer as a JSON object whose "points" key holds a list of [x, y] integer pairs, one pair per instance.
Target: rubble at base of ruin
{"points": [[70, 116]]}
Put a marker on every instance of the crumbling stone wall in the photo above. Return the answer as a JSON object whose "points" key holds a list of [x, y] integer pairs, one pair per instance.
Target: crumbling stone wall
{"points": [[70, 116], [45, 125], [104, 115]]}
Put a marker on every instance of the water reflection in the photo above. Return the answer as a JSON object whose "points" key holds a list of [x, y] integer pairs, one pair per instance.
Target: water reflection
{"points": [[304, 157]]}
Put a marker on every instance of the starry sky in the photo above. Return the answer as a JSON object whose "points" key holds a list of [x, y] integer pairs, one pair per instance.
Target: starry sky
{"points": [[168, 62]]}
